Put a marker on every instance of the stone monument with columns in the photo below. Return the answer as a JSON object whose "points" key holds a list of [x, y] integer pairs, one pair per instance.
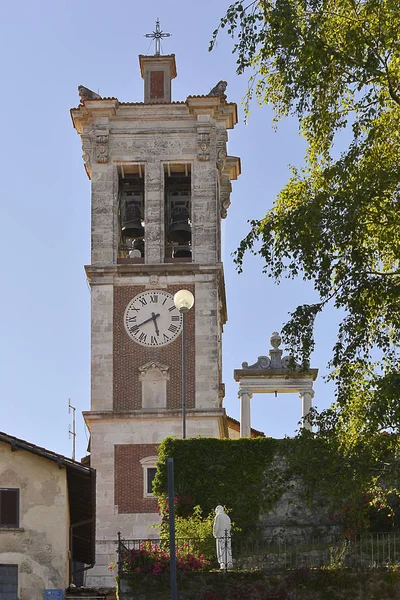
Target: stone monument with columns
{"points": [[273, 374]]}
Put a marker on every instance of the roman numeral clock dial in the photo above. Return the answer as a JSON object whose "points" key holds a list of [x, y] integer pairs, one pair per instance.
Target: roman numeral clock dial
{"points": [[151, 319]]}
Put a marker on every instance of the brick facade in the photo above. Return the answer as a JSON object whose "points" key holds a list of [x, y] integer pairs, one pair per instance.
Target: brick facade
{"points": [[129, 356], [129, 484]]}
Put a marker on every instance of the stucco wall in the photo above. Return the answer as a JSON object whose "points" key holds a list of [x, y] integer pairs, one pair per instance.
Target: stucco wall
{"points": [[40, 546]]}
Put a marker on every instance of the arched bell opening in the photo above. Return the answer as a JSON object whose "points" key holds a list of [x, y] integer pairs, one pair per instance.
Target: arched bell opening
{"points": [[178, 223], [131, 211]]}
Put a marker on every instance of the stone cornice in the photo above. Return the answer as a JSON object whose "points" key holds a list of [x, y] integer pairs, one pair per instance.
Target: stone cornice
{"points": [[91, 110], [165, 414], [250, 374], [212, 106], [158, 59], [110, 272], [86, 114]]}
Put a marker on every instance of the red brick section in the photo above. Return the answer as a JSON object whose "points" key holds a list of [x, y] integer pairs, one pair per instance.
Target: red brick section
{"points": [[156, 84], [129, 356], [128, 484]]}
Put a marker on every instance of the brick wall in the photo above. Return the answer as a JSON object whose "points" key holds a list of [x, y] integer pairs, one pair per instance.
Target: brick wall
{"points": [[129, 484], [129, 356]]}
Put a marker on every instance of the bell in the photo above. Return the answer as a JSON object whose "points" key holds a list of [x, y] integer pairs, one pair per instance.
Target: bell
{"points": [[182, 252], [131, 226], [179, 229]]}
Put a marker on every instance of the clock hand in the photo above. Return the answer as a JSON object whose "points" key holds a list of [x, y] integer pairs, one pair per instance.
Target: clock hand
{"points": [[154, 317]]}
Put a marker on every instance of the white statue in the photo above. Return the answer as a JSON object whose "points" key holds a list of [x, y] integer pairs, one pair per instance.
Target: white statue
{"points": [[222, 534]]}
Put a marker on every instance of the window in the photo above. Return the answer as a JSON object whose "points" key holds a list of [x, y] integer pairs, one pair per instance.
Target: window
{"points": [[9, 582], [150, 476], [149, 471], [9, 507]]}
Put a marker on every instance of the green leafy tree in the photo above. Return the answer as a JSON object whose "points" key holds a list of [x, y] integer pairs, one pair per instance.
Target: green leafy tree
{"points": [[335, 66]]}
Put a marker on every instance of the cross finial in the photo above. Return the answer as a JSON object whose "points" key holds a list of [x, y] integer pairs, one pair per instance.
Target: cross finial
{"points": [[157, 36]]}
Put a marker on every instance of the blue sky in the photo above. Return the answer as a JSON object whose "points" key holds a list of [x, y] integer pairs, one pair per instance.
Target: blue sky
{"points": [[48, 49]]}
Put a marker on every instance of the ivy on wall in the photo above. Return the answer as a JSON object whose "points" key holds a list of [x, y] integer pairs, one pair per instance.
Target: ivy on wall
{"points": [[218, 471], [250, 475]]}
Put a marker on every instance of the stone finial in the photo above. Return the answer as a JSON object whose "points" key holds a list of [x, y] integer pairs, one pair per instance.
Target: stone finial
{"points": [[275, 340]]}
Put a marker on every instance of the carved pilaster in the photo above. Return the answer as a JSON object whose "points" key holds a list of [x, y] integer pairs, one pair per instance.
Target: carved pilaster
{"points": [[203, 143], [101, 150]]}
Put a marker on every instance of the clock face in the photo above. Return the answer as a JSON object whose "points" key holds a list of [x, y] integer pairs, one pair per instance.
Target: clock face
{"points": [[151, 318]]}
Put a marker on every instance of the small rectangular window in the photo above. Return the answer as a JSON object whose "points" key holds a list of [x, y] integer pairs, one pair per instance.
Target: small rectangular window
{"points": [[151, 472], [9, 508], [9, 582]]}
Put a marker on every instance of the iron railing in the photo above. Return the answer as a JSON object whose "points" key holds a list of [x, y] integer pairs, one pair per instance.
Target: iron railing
{"points": [[358, 551]]}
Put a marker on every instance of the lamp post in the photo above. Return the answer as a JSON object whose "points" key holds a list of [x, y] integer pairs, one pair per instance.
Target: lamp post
{"points": [[183, 301]]}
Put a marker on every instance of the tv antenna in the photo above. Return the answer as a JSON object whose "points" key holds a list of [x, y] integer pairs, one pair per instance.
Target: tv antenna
{"points": [[72, 430]]}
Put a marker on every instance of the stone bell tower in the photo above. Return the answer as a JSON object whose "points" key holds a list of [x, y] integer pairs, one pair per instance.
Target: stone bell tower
{"points": [[160, 179]]}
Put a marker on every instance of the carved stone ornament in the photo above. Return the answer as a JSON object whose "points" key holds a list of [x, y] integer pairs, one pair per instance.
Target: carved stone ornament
{"points": [[310, 392], [219, 90], [86, 94], [203, 145], [153, 368], [225, 202], [102, 147], [154, 377], [275, 360], [275, 340], [87, 153], [221, 158], [153, 279], [245, 391], [263, 362]]}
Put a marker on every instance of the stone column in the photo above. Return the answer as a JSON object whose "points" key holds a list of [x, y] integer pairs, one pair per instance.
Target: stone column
{"points": [[154, 212], [245, 395], [306, 400]]}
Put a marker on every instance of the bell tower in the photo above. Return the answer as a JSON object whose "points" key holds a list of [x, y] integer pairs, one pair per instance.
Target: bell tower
{"points": [[160, 185]]}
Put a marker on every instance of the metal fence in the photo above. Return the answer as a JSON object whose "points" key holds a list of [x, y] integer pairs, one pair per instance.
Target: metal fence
{"points": [[358, 551]]}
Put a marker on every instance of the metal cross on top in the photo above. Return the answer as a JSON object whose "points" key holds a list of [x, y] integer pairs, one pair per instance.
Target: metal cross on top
{"points": [[157, 35]]}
